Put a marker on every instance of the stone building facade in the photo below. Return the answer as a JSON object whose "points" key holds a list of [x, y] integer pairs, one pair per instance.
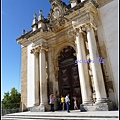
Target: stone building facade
{"points": [[75, 51]]}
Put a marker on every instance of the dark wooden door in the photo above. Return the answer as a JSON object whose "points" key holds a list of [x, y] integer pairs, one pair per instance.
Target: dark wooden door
{"points": [[69, 80]]}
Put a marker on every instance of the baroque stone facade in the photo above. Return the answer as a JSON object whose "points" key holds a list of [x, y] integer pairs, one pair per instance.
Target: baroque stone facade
{"points": [[62, 54]]}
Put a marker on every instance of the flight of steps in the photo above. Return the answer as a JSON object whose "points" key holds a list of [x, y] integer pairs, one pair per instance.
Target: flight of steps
{"points": [[63, 115]]}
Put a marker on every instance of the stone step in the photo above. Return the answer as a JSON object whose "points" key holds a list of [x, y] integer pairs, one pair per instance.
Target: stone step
{"points": [[63, 115], [54, 118]]}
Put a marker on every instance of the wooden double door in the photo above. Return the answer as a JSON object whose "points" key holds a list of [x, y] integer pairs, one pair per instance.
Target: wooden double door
{"points": [[69, 81]]}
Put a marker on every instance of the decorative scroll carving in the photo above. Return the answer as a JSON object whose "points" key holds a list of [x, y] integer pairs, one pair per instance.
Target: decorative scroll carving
{"points": [[34, 50], [76, 31], [89, 25], [56, 17]]}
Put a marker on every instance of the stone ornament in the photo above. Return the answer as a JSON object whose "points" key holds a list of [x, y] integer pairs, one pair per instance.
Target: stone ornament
{"points": [[56, 16]]}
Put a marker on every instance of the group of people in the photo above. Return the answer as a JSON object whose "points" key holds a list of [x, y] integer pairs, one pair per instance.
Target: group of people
{"points": [[62, 102]]}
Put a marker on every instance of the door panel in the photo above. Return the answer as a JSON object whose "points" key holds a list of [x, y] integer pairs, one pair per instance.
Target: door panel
{"points": [[68, 78], [69, 83]]}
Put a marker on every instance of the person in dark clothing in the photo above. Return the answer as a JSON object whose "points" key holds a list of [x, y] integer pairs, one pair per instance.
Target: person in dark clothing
{"points": [[52, 100]]}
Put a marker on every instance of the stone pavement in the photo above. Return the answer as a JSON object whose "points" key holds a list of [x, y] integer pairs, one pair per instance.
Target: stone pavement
{"points": [[63, 115]]}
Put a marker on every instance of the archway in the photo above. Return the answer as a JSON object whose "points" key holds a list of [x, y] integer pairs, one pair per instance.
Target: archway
{"points": [[68, 77]]}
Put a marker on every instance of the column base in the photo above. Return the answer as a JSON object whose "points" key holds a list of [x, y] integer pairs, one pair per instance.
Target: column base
{"points": [[103, 100], [96, 107], [36, 104], [104, 106], [40, 108], [88, 102]]}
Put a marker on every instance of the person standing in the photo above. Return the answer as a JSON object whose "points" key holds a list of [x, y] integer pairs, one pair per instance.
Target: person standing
{"points": [[58, 103], [75, 103], [52, 100], [62, 102], [67, 100]]}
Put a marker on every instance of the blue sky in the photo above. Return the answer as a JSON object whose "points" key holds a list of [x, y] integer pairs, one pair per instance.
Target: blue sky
{"points": [[16, 16]]}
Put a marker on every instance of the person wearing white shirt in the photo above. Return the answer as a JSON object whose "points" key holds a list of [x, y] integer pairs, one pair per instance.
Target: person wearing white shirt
{"points": [[67, 100]]}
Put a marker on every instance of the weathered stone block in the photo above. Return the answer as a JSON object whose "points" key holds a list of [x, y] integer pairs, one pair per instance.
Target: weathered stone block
{"points": [[96, 107]]}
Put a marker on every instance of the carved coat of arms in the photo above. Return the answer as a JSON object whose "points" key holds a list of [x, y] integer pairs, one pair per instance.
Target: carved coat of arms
{"points": [[56, 16]]}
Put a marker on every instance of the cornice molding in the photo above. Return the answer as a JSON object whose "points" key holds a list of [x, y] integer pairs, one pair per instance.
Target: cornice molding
{"points": [[88, 16]]}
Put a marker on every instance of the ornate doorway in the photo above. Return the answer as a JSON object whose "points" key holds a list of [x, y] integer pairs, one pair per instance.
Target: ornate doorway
{"points": [[68, 78]]}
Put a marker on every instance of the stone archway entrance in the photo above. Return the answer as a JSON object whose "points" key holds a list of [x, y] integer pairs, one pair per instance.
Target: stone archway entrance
{"points": [[68, 78]]}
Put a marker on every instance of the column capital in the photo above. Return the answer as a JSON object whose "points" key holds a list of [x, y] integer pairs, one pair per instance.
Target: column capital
{"points": [[80, 29], [38, 48], [90, 25], [77, 31], [43, 48], [34, 50]]}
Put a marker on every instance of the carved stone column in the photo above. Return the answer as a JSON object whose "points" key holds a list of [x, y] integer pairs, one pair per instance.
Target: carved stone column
{"points": [[83, 69], [36, 64], [35, 51], [43, 80], [96, 67]]}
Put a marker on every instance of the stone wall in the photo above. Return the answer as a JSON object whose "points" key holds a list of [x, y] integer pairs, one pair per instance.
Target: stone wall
{"points": [[24, 79], [109, 21], [30, 77]]}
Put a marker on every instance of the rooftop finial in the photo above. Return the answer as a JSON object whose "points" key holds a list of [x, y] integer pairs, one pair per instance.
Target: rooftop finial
{"points": [[35, 16], [48, 16], [23, 32], [40, 16], [34, 23], [73, 3], [40, 12]]}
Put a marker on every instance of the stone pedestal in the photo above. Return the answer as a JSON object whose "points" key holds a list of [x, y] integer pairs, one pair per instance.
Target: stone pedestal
{"points": [[104, 106], [40, 108], [35, 109], [96, 107]]}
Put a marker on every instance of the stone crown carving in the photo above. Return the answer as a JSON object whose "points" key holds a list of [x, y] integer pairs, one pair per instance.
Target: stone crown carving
{"points": [[56, 16]]}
